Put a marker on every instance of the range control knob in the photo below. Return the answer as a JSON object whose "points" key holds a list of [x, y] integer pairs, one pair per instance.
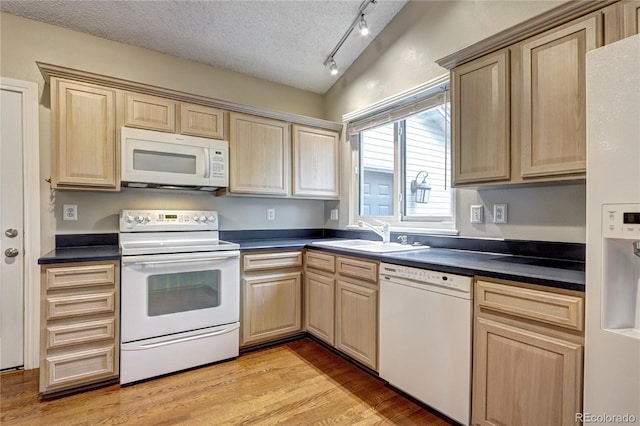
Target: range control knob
{"points": [[128, 218], [211, 219], [203, 218], [139, 219], [147, 219]]}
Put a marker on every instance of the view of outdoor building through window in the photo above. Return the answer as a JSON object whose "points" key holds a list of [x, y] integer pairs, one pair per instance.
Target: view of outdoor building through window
{"points": [[416, 151]]}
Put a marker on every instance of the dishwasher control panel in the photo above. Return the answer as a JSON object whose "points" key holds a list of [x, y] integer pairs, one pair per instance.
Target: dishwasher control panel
{"points": [[426, 276]]}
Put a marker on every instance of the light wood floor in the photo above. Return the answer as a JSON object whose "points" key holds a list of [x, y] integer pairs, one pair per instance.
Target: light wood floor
{"points": [[298, 383]]}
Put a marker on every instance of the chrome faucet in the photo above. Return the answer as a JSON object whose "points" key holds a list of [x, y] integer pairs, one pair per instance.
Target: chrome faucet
{"points": [[385, 233]]}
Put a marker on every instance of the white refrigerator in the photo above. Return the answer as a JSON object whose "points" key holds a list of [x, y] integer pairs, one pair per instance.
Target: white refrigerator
{"points": [[612, 339]]}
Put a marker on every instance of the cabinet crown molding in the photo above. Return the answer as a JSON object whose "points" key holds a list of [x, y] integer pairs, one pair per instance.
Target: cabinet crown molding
{"points": [[557, 16], [51, 70]]}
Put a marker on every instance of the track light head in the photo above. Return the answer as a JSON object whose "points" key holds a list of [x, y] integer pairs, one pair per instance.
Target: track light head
{"points": [[333, 67], [362, 26]]}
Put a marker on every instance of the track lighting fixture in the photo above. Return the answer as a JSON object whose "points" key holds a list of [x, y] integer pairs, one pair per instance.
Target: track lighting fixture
{"points": [[333, 67], [362, 27]]}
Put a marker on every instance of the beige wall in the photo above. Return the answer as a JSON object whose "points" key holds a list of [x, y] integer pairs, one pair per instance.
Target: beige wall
{"points": [[403, 56], [23, 42]]}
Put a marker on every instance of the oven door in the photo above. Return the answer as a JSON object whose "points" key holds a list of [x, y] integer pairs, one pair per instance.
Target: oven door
{"points": [[172, 293]]}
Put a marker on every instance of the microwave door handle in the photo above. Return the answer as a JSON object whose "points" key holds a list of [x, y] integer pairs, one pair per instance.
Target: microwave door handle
{"points": [[207, 163]]}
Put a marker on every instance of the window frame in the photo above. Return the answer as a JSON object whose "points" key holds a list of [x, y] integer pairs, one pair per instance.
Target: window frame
{"points": [[396, 110]]}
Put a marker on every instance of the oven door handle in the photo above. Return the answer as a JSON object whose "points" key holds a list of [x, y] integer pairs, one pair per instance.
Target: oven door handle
{"points": [[186, 339], [161, 260]]}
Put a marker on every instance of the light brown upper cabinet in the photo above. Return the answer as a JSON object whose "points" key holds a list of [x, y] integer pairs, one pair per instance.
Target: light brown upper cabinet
{"points": [[631, 13], [553, 107], [259, 153], [168, 115], [84, 148], [315, 162], [200, 120], [481, 131], [519, 99], [621, 20], [150, 112]]}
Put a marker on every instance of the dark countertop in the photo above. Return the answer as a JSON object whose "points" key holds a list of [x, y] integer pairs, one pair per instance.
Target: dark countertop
{"points": [[547, 272], [81, 254], [278, 243]]}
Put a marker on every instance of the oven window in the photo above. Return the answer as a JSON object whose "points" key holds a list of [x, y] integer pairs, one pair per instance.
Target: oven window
{"points": [[166, 162], [182, 292]]}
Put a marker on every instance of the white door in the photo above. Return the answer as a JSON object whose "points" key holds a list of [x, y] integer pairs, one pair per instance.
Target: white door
{"points": [[11, 228]]}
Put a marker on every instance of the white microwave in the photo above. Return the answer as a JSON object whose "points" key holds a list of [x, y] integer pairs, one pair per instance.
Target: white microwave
{"points": [[151, 159]]}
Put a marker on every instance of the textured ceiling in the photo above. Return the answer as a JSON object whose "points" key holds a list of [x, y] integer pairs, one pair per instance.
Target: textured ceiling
{"points": [[282, 41]]}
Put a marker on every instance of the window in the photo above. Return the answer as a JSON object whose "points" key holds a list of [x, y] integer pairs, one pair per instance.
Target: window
{"points": [[403, 171]]}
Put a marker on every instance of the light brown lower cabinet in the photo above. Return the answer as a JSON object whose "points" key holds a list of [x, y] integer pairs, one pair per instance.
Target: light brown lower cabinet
{"points": [[271, 295], [357, 322], [341, 304], [528, 355], [79, 343], [319, 305]]}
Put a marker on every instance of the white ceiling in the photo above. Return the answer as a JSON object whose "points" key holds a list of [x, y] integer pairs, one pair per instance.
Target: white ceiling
{"points": [[283, 41]]}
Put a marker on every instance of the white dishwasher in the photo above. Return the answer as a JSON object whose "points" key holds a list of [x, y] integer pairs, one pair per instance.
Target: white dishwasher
{"points": [[425, 337]]}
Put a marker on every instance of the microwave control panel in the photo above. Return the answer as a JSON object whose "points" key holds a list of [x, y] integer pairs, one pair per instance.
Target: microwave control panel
{"points": [[218, 162], [621, 221]]}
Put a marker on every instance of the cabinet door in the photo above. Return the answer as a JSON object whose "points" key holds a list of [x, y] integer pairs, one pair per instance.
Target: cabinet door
{"points": [[357, 322], [553, 110], [319, 306], [631, 18], [524, 378], [150, 112], [315, 162], [272, 306], [259, 155], [200, 120], [84, 143], [481, 111]]}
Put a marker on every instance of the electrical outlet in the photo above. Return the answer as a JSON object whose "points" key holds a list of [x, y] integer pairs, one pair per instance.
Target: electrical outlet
{"points": [[334, 214], [499, 213], [271, 214], [70, 212], [476, 214]]}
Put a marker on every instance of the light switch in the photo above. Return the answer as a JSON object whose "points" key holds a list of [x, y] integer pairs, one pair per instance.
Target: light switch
{"points": [[476, 214], [271, 214], [334, 214]]}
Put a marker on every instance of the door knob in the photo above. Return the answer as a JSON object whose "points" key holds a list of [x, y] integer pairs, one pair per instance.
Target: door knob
{"points": [[11, 252], [11, 233]]}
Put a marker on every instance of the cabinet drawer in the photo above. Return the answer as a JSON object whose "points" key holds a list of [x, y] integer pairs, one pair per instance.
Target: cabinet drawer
{"points": [[77, 367], [80, 276], [559, 309], [321, 261], [262, 261], [84, 304], [72, 334], [355, 268]]}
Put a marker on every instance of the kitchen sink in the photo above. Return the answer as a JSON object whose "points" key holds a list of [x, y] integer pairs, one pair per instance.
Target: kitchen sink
{"points": [[367, 246]]}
